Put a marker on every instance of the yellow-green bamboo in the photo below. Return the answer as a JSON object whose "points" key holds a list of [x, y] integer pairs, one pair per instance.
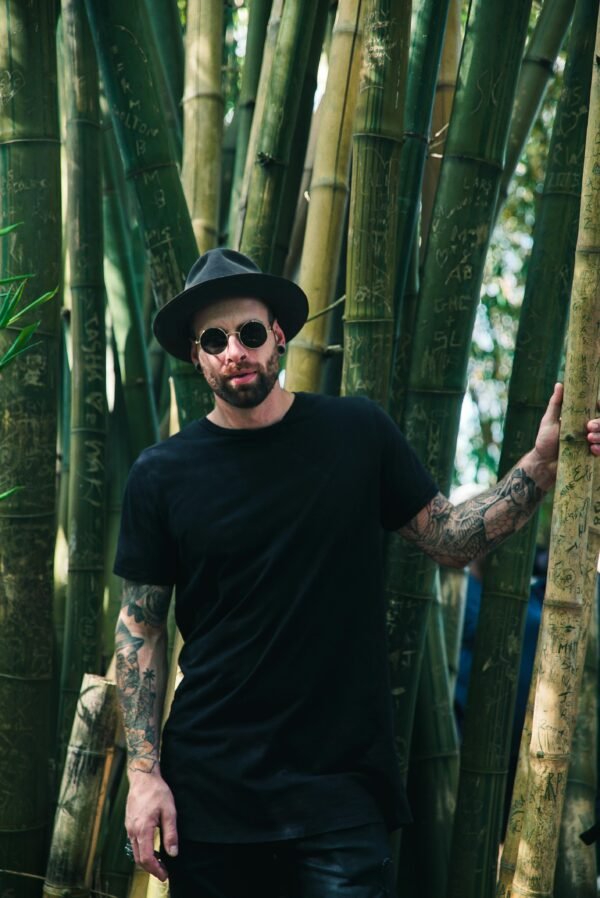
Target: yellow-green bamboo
{"points": [[83, 791], [328, 195], [563, 632], [292, 263], [442, 109], [276, 123], [576, 871], [203, 118]]}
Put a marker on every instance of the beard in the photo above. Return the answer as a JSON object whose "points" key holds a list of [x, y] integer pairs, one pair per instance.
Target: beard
{"points": [[245, 395]]}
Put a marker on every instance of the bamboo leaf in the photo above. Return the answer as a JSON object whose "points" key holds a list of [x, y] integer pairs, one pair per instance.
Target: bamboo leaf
{"points": [[10, 302], [10, 492], [8, 228], [45, 297], [15, 277], [20, 344]]}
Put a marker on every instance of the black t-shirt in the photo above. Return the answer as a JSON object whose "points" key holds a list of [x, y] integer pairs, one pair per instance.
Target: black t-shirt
{"points": [[282, 725]]}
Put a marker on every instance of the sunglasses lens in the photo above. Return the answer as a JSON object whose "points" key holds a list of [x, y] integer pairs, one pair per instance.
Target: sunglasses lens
{"points": [[213, 340], [253, 334]]}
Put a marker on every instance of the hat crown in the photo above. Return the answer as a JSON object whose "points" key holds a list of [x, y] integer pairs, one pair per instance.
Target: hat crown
{"points": [[219, 263]]}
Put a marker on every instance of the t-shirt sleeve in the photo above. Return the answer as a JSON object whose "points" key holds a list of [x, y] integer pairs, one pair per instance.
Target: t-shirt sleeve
{"points": [[406, 486], [145, 550]]}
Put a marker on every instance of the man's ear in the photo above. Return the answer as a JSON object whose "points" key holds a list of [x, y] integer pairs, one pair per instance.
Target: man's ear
{"points": [[278, 333]]}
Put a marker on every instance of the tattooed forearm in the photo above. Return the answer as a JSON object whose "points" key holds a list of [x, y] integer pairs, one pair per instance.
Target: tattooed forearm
{"points": [[455, 535], [140, 648], [147, 604]]}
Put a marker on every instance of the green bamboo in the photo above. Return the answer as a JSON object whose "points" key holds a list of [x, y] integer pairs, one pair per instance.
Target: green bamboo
{"points": [[227, 162], [168, 36], [372, 246], [130, 78], [329, 190], [203, 118], [293, 178], [425, 54], [30, 193], [506, 583], [124, 303], [563, 621], [576, 871], [275, 128], [255, 39], [463, 212], [433, 772], [61, 551], [453, 594], [87, 501], [115, 866], [83, 790], [536, 71]]}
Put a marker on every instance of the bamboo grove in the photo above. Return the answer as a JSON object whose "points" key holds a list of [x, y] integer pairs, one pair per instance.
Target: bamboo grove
{"points": [[134, 135]]}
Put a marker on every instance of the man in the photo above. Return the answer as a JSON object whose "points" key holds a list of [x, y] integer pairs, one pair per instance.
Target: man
{"points": [[277, 772]]}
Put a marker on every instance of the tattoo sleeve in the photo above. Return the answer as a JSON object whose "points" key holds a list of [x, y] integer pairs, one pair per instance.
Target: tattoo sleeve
{"points": [[455, 535], [140, 648]]}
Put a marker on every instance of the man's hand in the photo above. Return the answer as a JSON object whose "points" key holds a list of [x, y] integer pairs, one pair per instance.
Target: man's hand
{"points": [[593, 435], [150, 805]]}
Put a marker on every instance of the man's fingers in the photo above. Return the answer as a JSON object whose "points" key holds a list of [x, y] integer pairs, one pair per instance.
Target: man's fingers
{"points": [[555, 404], [145, 856], [168, 830]]}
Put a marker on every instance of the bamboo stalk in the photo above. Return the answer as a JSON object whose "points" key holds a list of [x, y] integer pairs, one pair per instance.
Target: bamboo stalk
{"points": [[506, 583], [203, 119], [130, 80], [440, 119], [255, 39], [563, 630], [275, 128], [165, 19], [87, 488], [83, 791], [328, 195], [372, 246], [536, 71], [29, 192]]}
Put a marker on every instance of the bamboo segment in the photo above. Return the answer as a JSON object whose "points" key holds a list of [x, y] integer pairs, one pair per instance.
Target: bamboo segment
{"points": [[425, 53], [442, 109], [203, 119], [506, 584], [165, 18], [255, 38], [464, 208], [83, 791], [563, 631], [87, 486], [29, 193], [328, 195], [536, 71], [275, 129], [130, 76], [372, 245]]}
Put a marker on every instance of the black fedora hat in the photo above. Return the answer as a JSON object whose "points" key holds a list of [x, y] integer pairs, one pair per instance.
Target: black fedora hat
{"points": [[223, 274]]}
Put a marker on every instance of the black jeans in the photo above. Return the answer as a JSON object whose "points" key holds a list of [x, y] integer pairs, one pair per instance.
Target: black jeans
{"points": [[353, 863]]}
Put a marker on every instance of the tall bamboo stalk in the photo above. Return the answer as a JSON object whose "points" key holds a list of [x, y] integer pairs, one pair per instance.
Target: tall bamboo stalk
{"points": [[328, 195], [128, 60], [425, 53], [293, 178], [440, 119], [506, 584], [166, 28], [29, 192], [562, 631], [464, 207], [275, 127], [124, 303], [203, 118], [536, 71], [87, 488], [372, 247], [255, 39], [83, 790]]}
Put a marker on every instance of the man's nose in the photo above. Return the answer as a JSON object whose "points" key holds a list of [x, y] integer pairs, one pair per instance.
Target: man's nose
{"points": [[235, 348]]}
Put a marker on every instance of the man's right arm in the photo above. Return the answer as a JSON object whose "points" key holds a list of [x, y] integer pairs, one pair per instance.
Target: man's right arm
{"points": [[141, 657]]}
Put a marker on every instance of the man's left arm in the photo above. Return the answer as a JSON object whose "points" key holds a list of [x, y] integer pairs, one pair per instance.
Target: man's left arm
{"points": [[455, 535]]}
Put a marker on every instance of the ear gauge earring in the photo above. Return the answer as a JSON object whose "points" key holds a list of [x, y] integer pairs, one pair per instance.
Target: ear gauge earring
{"points": [[281, 349], [197, 366]]}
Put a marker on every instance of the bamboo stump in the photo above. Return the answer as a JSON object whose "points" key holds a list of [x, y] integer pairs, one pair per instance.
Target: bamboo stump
{"points": [[83, 790]]}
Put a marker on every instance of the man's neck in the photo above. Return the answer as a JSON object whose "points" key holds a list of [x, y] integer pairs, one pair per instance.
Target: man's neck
{"points": [[270, 411]]}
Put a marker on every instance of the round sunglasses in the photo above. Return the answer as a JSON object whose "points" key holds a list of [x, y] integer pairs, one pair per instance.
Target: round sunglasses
{"points": [[251, 334]]}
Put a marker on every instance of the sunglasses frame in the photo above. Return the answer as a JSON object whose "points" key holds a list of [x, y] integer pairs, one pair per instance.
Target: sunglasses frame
{"points": [[237, 333]]}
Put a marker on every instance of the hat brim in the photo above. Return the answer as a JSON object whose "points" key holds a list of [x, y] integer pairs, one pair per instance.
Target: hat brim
{"points": [[286, 300]]}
